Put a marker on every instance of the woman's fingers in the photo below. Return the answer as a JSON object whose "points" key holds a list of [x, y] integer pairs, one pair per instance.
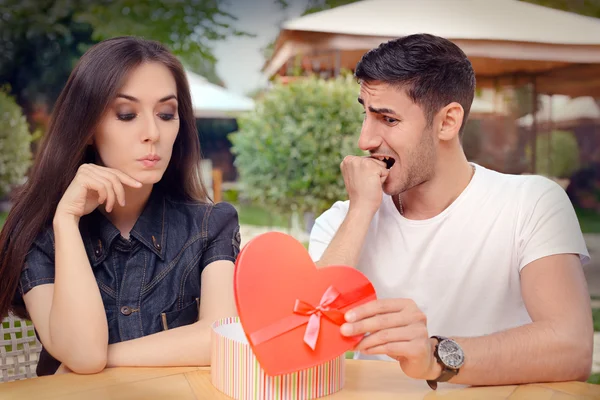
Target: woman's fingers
{"points": [[92, 184], [124, 178], [109, 189], [116, 184], [112, 180]]}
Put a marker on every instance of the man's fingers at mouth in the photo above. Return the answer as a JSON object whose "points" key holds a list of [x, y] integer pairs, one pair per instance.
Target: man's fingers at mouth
{"points": [[387, 161]]}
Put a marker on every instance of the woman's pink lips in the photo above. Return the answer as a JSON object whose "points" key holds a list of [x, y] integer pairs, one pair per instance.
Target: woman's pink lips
{"points": [[149, 163]]}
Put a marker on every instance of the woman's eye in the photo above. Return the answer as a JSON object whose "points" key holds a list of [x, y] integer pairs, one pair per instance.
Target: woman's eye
{"points": [[166, 116], [126, 117]]}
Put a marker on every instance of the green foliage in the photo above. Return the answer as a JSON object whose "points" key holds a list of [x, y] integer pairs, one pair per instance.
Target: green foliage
{"points": [[589, 221], [288, 151], [187, 27], [250, 214], [41, 40], [561, 160], [314, 6], [596, 319], [590, 8], [15, 141]]}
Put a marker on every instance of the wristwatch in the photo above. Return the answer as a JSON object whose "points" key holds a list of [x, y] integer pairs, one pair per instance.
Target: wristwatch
{"points": [[450, 356]]}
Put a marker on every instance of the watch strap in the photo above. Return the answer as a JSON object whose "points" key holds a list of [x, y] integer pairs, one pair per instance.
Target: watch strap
{"points": [[445, 376], [447, 373]]}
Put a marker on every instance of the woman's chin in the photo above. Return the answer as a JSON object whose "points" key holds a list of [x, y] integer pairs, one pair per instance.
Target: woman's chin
{"points": [[148, 177]]}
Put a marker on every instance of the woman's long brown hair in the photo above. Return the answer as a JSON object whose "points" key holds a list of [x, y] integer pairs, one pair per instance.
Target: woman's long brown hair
{"points": [[91, 87]]}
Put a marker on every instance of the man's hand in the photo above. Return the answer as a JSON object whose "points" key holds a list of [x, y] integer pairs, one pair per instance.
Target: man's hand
{"points": [[398, 329], [363, 177]]}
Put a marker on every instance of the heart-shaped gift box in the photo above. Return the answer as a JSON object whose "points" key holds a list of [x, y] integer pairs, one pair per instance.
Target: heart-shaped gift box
{"points": [[290, 310]]}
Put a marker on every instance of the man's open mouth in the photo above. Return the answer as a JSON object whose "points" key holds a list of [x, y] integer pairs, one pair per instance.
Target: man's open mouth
{"points": [[389, 161]]}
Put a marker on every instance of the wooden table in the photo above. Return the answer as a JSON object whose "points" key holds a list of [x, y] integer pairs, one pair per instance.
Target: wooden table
{"points": [[370, 380]]}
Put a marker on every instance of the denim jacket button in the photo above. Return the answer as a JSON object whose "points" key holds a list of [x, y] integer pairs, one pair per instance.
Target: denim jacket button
{"points": [[125, 310], [156, 244]]}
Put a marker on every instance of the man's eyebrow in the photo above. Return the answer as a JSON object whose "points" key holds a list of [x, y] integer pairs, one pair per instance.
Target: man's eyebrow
{"points": [[375, 110], [382, 110]]}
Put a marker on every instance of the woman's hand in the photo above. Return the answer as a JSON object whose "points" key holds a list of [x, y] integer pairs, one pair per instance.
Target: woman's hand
{"points": [[63, 369], [94, 185]]}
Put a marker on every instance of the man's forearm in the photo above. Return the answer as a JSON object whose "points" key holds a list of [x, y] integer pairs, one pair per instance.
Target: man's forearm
{"points": [[537, 352], [346, 245]]}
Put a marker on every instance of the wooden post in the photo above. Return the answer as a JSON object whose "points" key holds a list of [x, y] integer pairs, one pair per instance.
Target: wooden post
{"points": [[217, 178], [534, 126], [550, 129]]}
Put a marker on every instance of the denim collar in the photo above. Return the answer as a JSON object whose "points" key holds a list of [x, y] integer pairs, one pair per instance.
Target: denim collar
{"points": [[150, 229]]}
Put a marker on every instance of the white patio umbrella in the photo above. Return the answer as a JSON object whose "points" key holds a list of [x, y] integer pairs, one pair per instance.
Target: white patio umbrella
{"points": [[507, 41], [213, 101]]}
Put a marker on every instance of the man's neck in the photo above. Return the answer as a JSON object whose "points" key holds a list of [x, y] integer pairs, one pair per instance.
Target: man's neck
{"points": [[434, 196]]}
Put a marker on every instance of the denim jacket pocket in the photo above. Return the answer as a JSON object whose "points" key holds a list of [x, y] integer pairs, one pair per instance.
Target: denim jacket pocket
{"points": [[186, 316]]}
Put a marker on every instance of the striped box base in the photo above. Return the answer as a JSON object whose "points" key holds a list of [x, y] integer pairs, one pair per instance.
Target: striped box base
{"points": [[236, 372]]}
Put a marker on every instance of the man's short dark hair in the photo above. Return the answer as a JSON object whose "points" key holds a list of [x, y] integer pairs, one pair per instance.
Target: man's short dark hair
{"points": [[433, 71]]}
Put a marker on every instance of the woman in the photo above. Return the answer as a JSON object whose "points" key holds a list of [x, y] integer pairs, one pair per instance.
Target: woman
{"points": [[113, 246]]}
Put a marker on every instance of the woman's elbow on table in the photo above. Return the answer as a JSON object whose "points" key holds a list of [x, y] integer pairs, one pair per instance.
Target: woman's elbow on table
{"points": [[87, 364]]}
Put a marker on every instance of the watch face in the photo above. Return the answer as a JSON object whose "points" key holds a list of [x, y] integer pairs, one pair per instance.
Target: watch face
{"points": [[451, 354]]}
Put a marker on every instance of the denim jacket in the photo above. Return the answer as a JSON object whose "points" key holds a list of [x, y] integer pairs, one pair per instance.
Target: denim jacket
{"points": [[150, 282]]}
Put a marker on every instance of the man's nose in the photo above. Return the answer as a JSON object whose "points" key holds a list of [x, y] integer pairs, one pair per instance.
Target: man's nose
{"points": [[369, 139]]}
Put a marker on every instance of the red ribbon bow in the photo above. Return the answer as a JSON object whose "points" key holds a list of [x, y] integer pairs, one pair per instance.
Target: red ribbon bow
{"points": [[330, 306], [314, 321]]}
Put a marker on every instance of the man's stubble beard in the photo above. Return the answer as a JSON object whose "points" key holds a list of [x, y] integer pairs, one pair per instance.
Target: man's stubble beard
{"points": [[419, 163]]}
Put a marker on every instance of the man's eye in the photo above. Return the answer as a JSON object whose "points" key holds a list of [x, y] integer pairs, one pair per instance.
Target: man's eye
{"points": [[390, 120]]}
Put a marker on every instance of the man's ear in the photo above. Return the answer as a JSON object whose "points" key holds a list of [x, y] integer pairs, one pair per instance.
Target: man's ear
{"points": [[450, 121]]}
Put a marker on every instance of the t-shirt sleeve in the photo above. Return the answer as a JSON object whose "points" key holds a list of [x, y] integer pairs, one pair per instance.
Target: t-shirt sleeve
{"points": [[325, 228], [223, 234], [38, 268], [549, 225]]}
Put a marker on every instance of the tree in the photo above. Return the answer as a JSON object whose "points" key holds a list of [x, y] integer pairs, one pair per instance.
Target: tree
{"points": [[557, 157], [41, 40], [590, 8], [288, 151], [15, 140], [312, 6]]}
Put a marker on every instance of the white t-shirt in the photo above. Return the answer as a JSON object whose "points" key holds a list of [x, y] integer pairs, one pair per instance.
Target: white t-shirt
{"points": [[462, 266]]}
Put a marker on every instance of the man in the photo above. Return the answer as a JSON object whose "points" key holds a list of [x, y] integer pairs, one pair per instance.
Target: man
{"points": [[490, 264]]}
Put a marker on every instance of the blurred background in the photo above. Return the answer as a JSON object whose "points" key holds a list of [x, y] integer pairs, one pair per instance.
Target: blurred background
{"points": [[275, 100]]}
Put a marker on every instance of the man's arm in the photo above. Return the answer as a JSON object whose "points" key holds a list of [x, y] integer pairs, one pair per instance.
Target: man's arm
{"points": [[341, 245], [347, 243], [556, 346]]}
